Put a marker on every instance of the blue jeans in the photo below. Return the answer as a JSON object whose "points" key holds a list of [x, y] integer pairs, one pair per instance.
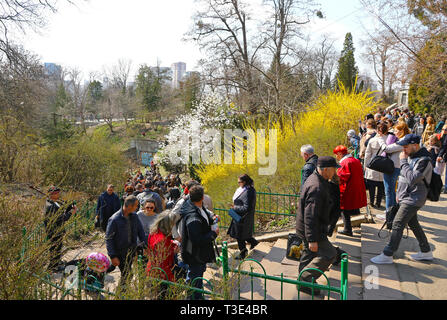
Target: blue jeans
{"points": [[389, 181], [196, 271]]}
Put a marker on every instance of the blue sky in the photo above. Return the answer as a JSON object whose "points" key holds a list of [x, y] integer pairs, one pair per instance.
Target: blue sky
{"points": [[99, 32]]}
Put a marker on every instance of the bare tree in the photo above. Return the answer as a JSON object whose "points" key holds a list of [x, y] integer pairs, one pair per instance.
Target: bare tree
{"points": [[79, 96], [108, 107], [325, 61], [222, 28], [282, 33], [20, 15], [119, 76], [419, 28], [381, 51]]}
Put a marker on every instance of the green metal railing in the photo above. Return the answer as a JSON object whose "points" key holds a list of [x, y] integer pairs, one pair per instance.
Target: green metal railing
{"points": [[224, 293], [342, 290]]}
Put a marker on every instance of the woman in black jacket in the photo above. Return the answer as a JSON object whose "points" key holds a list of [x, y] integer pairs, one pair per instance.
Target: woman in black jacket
{"points": [[244, 203]]}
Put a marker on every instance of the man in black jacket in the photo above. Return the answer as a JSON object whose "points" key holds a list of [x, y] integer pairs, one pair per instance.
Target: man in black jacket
{"points": [[308, 154], [124, 232], [313, 221], [199, 230], [108, 204], [55, 216]]}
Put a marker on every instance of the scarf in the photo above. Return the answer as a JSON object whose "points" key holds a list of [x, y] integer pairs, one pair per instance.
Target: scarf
{"points": [[238, 192]]}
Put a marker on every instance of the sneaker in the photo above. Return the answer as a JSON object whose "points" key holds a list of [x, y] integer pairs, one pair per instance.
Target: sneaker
{"points": [[421, 256], [381, 216], [382, 259]]}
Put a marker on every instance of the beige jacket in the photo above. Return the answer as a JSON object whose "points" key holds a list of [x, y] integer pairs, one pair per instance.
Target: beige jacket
{"points": [[365, 137], [372, 149]]}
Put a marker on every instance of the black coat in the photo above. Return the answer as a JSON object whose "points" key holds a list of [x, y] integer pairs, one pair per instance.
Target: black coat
{"points": [[197, 236], [56, 213], [443, 150], [107, 206], [314, 213], [245, 206]]}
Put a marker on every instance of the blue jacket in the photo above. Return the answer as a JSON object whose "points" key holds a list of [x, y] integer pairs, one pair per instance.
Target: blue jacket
{"points": [[107, 205], [116, 234]]}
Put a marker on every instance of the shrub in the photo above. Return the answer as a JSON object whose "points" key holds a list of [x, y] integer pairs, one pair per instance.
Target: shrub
{"points": [[324, 126], [84, 164]]}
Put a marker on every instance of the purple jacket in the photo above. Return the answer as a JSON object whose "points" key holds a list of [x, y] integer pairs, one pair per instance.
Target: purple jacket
{"points": [[389, 141]]}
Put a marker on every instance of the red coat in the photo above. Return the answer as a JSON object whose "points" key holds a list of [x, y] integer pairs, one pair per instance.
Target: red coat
{"points": [[160, 254], [352, 184]]}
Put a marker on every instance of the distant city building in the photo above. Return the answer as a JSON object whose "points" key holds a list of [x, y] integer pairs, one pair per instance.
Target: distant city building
{"points": [[178, 72], [52, 70]]}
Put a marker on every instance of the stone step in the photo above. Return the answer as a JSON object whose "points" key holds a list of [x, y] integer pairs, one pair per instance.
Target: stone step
{"points": [[381, 282], [258, 254], [277, 265], [352, 246]]}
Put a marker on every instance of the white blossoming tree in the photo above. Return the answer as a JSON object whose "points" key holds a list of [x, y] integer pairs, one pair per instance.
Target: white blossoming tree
{"points": [[195, 137]]}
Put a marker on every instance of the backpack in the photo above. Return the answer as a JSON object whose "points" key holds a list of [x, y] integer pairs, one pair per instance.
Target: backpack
{"points": [[435, 187]]}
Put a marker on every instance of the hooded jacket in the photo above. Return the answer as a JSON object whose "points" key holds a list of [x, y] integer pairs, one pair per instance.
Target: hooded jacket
{"points": [[411, 188], [197, 236]]}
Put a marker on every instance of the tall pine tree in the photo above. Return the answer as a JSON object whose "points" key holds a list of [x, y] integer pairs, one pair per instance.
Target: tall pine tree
{"points": [[347, 69]]}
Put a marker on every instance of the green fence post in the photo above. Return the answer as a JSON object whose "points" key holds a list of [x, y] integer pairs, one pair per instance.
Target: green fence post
{"points": [[22, 254], [225, 270], [344, 277]]}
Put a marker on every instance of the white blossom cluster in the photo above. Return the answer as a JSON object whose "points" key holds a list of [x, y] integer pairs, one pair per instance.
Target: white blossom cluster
{"points": [[189, 132]]}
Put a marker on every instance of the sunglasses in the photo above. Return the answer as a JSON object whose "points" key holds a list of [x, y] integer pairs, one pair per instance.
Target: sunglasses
{"points": [[150, 208]]}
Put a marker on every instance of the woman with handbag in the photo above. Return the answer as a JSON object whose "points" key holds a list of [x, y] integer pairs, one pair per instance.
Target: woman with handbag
{"points": [[374, 179], [244, 204], [393, 150]]}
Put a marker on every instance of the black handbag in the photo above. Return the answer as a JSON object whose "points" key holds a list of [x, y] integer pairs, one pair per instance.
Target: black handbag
{"points": [[381, 164], [294, 247]]}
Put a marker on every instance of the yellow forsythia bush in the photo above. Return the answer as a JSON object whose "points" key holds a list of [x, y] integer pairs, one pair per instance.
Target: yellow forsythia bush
{"points": [[324, 125]]}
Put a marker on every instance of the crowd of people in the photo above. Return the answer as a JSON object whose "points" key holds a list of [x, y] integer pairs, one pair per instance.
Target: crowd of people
{"points": [[416, 148], [171, 224]]}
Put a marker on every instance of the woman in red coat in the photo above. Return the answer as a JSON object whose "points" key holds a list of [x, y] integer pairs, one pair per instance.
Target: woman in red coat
{"points": [[352, 187], [162, 249]]}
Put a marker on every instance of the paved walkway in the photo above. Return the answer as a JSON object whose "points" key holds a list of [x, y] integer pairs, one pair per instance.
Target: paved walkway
{"points": [[408, 279]]}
